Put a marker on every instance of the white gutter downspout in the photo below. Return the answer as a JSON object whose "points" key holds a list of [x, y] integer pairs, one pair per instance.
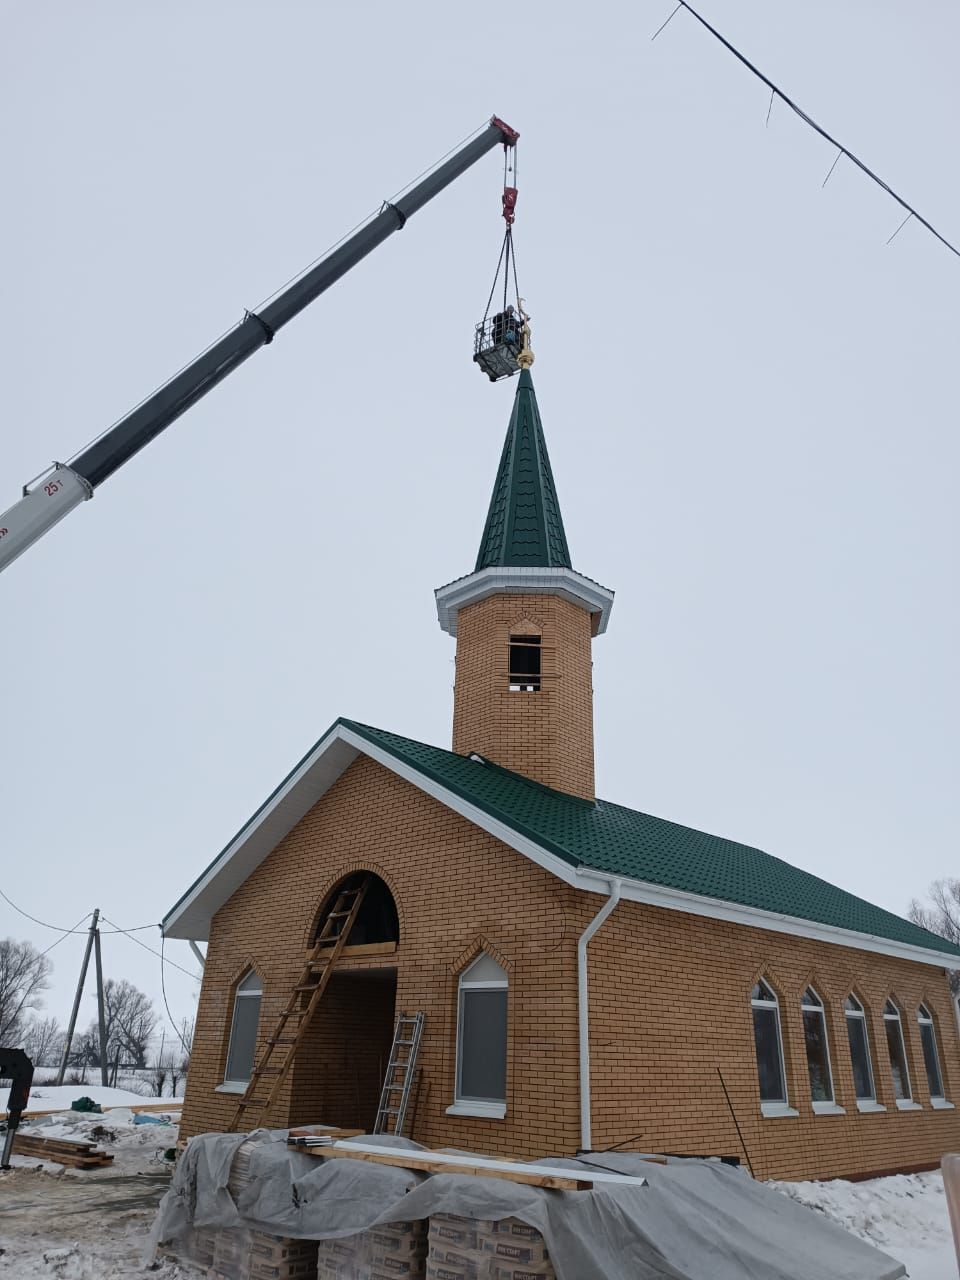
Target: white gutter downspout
{"points": [[583, 1011], [197, 952]]}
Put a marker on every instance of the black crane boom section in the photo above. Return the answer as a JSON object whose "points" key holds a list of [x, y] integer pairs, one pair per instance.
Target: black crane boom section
{"points": [[144, 423]]}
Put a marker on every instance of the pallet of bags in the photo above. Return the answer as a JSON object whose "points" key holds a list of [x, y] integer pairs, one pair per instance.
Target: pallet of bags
{"points": [[391, 1251], [257, 1255], [473, 1249]]}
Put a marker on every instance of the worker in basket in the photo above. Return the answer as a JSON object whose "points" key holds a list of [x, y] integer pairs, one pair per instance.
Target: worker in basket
{"points": [[505, 327]]}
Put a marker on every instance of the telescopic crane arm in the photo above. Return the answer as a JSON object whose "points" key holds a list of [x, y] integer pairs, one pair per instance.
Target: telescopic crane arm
{"points": [[48, 498]]}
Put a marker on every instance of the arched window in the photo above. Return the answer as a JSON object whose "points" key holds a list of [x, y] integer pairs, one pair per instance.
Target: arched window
{"points": [[377, 921], [243, 1030], [481, 1086], [863, 1084], [818, 1051], [899, 1071], [769, 1045], [931, 1060]]}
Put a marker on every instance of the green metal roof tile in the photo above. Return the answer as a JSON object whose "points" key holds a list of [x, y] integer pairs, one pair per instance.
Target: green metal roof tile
{"points": [[616, 841], [524, 526]]}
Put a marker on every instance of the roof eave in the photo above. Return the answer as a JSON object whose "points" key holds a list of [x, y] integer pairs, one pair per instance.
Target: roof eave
{"points": [[523, 580], [309, 780]]}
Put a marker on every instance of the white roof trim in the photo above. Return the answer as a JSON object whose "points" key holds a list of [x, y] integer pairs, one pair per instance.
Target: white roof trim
{"points": [[523, 581], [191, 917]]}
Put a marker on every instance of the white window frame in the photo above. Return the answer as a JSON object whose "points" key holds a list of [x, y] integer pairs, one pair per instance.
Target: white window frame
{"points": [[859, 1014], [772, 1108], [827, 1107], [907, 1103], [925, 1019], [240, 1086], [486, 1108]]}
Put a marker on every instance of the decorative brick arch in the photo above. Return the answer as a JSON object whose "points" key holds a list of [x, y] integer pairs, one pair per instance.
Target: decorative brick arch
{"points": [[325, 898], [481, 944]]}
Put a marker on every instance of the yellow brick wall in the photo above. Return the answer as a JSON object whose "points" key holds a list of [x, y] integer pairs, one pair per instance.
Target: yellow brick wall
{"points": [[669, 1002], [548, 735]]}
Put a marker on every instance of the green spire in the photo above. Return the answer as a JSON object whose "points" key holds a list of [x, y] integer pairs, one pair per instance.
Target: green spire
{"points": [[524, 525]]}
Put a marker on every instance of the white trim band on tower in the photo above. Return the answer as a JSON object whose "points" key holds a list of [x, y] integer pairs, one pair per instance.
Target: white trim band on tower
{"points": [[497, 580]]}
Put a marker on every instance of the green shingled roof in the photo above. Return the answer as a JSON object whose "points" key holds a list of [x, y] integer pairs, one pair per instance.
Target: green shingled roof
{"points": [[524, 525], [615, 841]]}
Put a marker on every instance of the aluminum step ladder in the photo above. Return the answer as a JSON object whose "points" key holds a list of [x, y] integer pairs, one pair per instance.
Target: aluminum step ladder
{"points": [[401, 1069]]}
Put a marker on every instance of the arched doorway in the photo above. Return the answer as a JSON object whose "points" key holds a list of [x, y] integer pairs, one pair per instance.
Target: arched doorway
{"points": [[342, 1059]]}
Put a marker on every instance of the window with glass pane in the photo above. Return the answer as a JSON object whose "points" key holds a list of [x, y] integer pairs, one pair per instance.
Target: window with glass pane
{"points": [[243, 1032], [818, 1053], [766, 1035], [897, 1052], [482, 1033], [928, 1041], [859, 1050]]}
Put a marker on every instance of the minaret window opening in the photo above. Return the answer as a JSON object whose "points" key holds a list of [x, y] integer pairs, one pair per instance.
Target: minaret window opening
{"points": [[525, 664]]}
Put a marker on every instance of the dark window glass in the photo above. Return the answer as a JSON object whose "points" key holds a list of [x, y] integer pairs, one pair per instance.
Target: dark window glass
{"points": [[483, 1045], [930, 1060], [525, 654], [243, 1034], [860, 1057], [898, 1058], [818, 1063], [766, 1034]]}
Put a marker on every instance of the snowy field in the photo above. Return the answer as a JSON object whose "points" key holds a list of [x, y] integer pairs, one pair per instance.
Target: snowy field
{"points": [[63, 1224], [52, 1097]]}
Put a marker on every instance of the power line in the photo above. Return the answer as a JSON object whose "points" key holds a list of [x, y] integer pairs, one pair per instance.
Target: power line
{"points": [[777, 92], [163, 989], [66, 934], [26, 914], [151, 950]]}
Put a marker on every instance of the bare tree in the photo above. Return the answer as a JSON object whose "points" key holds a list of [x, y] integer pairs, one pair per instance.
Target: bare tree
{"points": [[130, 1020], [24, 976], [941, 916], [43, 1041]]}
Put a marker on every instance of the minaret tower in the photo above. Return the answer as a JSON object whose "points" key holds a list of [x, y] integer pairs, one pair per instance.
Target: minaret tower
{"points": [[524, 622]]}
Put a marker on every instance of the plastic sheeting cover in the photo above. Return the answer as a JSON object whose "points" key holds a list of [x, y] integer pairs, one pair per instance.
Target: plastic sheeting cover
{"points": [[695, 1218]]}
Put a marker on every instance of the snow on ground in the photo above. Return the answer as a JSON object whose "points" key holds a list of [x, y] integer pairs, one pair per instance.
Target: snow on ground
{"points": [[52, 1097], [905, 1216], [71, 1224]]}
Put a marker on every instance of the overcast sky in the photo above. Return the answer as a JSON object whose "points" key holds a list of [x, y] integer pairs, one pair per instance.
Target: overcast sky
{"points": [[749, 400]]}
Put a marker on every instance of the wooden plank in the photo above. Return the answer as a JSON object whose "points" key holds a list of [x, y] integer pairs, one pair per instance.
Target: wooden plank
{"points": [[175, 1104], [540, 1175], [324, 1131]]}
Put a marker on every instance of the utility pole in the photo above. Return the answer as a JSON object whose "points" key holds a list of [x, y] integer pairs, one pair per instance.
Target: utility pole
{"points": [[100, 1015], [76, 1001]]}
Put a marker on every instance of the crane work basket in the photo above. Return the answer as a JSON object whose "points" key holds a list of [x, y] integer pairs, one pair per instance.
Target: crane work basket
{"points": [[497, 342]]}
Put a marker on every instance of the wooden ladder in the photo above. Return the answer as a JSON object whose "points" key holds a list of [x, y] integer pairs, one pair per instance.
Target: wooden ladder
{"points": [[314, 979]]}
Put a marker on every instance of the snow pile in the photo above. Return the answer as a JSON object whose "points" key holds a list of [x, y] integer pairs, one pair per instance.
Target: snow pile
{"points": [[56, 1097], [905, 1215], [135, 1147]]}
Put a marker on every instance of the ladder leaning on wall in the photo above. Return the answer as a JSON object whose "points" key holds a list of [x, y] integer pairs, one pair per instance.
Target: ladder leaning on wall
{"points": [[314, 979], [401, 1069]]}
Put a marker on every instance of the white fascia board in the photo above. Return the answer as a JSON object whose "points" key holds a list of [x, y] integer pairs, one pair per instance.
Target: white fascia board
{"points": [[656, 895], [523, 581], [191, 917]]}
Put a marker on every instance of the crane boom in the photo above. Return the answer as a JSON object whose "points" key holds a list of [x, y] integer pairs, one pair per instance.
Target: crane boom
{"points": [[50, 496]]}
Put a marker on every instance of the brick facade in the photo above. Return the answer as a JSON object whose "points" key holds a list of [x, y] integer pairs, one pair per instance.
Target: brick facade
{"points": [[669, 999], [547, 735]]}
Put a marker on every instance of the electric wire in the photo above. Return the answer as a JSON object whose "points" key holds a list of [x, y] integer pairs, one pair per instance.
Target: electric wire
{"points": [[777, 92], [43, 923], [163, 990], [67, 932], [194, 976]]}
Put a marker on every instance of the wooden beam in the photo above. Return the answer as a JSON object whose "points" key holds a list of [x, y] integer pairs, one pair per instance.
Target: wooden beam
{"points": [[540, 1175]]}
